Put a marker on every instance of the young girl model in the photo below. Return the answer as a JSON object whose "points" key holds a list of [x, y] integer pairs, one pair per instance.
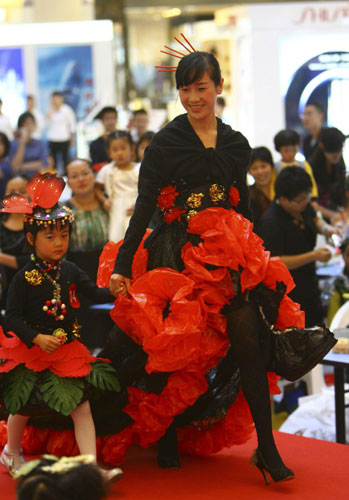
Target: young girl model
{"points": [[119, 180], [44, 364]]}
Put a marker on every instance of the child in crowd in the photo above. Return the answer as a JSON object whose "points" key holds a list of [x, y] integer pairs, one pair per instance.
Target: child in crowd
{"points": [[142, 144], [119, 180], [44, 366], [262, 191], [60, 479], [5, 167], [12, 239], [341, 284], [287, 144]]}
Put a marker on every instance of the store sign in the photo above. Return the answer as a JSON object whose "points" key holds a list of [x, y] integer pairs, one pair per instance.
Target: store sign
{"points": [[323, 15]]}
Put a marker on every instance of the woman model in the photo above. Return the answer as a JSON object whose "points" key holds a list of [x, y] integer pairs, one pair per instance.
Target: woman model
{"points": [[188, 171]]}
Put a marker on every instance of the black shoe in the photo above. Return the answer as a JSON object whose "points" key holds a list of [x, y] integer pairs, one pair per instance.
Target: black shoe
{"points": [[167, 450], [277, 474]]}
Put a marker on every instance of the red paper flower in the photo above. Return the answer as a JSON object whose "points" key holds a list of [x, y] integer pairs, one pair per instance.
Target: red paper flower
{"points": [[173, 214], [234, 196], [167, 197]]}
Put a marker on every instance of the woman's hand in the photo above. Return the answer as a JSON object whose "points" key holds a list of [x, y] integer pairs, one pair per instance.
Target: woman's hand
{"points": [[47, 343], [119, 285], [322, 254], [107, 204]]}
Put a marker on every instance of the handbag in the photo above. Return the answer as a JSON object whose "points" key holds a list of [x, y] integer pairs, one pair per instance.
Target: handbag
{"points": [[292, 352], [297, 351]]}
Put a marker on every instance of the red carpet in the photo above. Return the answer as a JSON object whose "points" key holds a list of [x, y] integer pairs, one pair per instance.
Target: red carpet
{"points": [[321, 470]]}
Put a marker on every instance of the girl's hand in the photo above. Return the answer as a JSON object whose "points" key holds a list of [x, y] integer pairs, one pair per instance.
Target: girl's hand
{"points": [[119, 285], [129, 211], [47, 343], [322, 254], [107, 204]]}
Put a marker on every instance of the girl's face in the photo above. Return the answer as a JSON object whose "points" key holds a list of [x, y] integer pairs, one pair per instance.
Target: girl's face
{"points": [[262, 172], [50, 243], [17, 185], [141, 149], [288, 153], [81, 179], [120, 152], [199, 98]]}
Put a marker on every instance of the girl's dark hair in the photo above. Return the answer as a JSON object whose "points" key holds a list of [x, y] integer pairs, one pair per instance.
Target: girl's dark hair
{"points": [[262, 154], [4, 139], [291, 182], [286, 138], [147, 136], [35, 228], [83, 482], [194, 65], [24, 117], [119, 134]]}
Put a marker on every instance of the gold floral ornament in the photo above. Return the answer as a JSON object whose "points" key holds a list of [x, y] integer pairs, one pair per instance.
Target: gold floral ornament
{"points": [[61, 335], [191, 214], [76, 329], [34, 277], [195, 200], [217, 193]]}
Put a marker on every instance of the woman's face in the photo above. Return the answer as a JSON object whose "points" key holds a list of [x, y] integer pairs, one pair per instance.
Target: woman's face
{"points": [[199, 98], [262, 172], [81, 179], [30, 126], [16, 185]]}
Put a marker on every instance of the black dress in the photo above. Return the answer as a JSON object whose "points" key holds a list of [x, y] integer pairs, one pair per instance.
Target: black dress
{"points": [[170, 346]]}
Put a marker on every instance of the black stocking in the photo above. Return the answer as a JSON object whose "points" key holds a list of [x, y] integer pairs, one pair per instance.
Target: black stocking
{"points": [[244, 334]]}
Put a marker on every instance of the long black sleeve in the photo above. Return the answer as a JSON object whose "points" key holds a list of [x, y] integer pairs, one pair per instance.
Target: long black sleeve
{"points": [[150, 180]]}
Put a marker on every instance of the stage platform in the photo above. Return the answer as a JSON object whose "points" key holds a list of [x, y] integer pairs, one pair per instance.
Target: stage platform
{"points": [[321, 468]]}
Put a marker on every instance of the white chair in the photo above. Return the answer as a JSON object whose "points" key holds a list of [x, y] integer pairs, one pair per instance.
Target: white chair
{"points": [[341, 318], [315, 379]]}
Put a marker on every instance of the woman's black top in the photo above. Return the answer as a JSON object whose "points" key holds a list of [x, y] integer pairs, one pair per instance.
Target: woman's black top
{"points": [[177, 156]]}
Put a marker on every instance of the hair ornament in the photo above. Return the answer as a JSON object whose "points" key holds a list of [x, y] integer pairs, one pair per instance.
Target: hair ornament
{"points": [[59, 465], [44, 191], [175, 53]]}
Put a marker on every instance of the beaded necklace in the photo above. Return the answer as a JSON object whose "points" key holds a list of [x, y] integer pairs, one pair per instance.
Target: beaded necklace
{"points": [[53, 307]]}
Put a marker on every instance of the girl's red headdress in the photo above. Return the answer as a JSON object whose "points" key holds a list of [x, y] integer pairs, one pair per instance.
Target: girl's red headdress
{"points": [[43, 207]]}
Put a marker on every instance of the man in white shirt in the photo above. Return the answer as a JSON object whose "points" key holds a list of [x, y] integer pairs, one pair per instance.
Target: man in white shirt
{"points": [[5, 124], [61, 129]]}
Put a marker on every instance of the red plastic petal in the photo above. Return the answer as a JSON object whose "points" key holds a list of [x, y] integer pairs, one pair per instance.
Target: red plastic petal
{"points": [[45, 189], [17, 204]]}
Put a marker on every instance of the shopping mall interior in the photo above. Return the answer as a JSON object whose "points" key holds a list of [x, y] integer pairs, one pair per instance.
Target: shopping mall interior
{"points": [[285, 70]]}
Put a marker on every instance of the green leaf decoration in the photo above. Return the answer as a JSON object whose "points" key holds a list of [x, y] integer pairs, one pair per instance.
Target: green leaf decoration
{"points": [[17, 387], [102, 376], [62, 394]]}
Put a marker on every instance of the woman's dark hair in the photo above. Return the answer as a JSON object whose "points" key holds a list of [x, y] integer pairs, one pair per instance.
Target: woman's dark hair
{"points": [[119, 134], [83, 481], [262, 154], [291, 182], [286, 138], [194, 65], [24, 117], [5, 141], [147, 136]]}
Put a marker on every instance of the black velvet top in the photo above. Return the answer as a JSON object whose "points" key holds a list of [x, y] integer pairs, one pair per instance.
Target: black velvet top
{"points": [[177, 156], [24, 312]]}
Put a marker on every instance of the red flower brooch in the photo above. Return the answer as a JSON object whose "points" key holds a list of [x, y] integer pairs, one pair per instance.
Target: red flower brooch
{"points": [[234, 196], [166, 201]]}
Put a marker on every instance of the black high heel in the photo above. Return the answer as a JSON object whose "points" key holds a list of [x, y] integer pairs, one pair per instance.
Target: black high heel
{"points": [[277, 474], [167, 450]]}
